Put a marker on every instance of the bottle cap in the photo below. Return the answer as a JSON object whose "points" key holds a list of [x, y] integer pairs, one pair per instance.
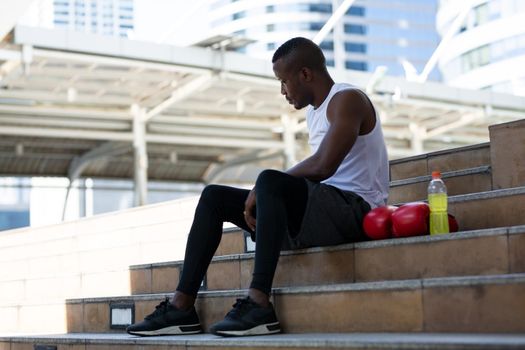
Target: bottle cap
{"points": [[436, 174]]}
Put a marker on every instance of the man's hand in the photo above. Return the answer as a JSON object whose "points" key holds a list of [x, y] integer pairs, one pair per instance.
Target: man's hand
{"points": [[249, 206]]}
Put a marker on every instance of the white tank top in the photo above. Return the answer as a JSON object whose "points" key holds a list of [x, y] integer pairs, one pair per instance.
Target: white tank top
{"points": [[364, 170]]}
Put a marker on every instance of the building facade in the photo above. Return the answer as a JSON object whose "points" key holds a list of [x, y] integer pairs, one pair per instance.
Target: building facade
{"points": [[104, 17], [487, 51], [372, 33]]}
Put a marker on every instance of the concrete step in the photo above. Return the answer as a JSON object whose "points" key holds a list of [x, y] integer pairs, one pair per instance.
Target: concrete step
{"points": [[507, 151], [356, 341], [497, 208], [481, 252], [463, 181], [484, 210], [474, 211], [479, 304], [444, 161], [232, 242]]}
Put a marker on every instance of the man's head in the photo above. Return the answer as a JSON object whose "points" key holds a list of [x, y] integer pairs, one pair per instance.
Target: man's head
{"points": [[296, 63]]}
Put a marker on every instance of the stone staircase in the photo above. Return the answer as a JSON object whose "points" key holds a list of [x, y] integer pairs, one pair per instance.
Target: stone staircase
{"points": [[464, 290]]}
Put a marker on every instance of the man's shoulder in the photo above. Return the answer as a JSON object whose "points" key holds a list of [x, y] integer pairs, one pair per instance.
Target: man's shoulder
{"points": [[351, 97]]}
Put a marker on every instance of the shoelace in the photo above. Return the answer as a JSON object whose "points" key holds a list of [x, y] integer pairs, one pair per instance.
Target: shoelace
{"points": [[240, 307], [160, 309]]}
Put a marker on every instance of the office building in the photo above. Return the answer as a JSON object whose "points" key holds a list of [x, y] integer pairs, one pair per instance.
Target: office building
{"points": [[104, 17], [487, 48], [396, 34]]}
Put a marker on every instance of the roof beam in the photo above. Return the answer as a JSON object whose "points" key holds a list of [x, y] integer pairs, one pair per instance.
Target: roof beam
{"points": [[181, 93], [69, 112], [464, 120], [238, 123], [128, 136], [65, 123], [213, 131], [82, 98], [113, 61]]}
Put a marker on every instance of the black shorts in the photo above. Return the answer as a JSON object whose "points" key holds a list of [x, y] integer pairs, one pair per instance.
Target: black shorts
{"points": [[332, 217]]}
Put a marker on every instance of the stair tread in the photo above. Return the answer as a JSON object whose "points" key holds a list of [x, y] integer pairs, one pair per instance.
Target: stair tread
{"points": [[485, 169], [497, 231], [310, 340], [487, 194], [500, 279], [440, 153]]}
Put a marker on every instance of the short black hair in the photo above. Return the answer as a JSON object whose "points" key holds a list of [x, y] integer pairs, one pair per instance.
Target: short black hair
{"points": [[301, 52]]}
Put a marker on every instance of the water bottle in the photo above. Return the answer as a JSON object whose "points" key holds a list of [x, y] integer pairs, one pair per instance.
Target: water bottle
{"points": [[438, 202]]}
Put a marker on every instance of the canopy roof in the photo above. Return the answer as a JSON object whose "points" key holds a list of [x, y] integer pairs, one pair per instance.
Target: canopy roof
{"points": [[68, 102]]}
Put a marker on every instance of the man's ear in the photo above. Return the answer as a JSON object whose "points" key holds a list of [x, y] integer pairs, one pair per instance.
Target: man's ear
{"points": [[306, 74]]}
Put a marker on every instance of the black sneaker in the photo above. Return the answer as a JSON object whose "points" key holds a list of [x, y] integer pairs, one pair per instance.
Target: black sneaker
{"points": [[167, 320], [247, 318]]}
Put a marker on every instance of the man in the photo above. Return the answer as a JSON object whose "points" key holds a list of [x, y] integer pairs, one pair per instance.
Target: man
{"points": [[320, 201]]}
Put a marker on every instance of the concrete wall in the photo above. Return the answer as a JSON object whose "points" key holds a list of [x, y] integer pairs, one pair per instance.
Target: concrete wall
{"points": [[42, 267]]}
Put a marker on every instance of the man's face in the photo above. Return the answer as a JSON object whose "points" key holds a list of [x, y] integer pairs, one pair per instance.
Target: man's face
{"points": [[291, 84]]}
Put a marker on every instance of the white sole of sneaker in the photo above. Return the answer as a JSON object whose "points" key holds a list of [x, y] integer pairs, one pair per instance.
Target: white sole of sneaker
{"points": [[173, 330], [269, 328]]}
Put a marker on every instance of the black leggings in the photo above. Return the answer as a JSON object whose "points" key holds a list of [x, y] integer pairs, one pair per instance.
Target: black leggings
{"points": [[280, 206]]}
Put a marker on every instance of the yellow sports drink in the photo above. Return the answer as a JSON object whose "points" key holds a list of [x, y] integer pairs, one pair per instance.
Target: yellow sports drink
{"points": [[438, 203]]}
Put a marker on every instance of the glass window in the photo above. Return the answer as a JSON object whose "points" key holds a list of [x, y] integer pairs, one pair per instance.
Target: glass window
{"points": [[355, 47], [270, 46], [356, 65], [356, 11], [481, 14], [330, 63], [270, 9], [327, 45], [316, 25], [270, 27], [355, 29], [239, 15], [323, 8], [13, 219], [475, 58]]}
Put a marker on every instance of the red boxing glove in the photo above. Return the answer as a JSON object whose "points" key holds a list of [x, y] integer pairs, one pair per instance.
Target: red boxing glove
{"points": [[411, 219], [377, 223], [452, 224]]}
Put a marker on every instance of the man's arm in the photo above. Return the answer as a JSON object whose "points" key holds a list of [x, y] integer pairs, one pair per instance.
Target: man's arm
{"points": [[346, 113]]}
